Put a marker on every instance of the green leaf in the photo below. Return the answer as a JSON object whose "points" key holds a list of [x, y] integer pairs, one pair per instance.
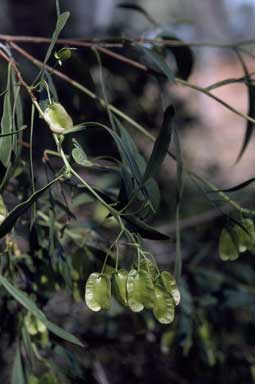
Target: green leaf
{"points": [[61, 21], [98, 292], [6, 126], [236, 187], [251, 109], [161, 145], [164, 305], [9, 222], [227, 247], [168, 282], [27, 303], [137, 8], [14, 132], [18, 376], [79, 155], [183, 56], [144, 229], [119, 286], [159, 63], [140, 290]]}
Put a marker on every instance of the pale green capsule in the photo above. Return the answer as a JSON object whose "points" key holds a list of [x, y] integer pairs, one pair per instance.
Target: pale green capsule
{"points": [[164, 306], [3, 210], [98, 292], [57, 118], [227, 248]]}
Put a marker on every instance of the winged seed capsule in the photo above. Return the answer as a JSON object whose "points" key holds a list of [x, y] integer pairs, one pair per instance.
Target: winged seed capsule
{"points": [[57, 118]]}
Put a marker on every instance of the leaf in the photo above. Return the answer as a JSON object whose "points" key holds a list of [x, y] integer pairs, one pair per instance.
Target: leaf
{"points": [[161, 145], [137, 8], [120, 286], [144, 229], [158, 61], [140, 290], [25, 301], [6, 126], [227, 247], [13, 216], [14, 132], [251, 109], [79, 155], [61, 21], [98, 292], [163, 308], [169, 283], [18, 376], [183, 56], [236, 187]]}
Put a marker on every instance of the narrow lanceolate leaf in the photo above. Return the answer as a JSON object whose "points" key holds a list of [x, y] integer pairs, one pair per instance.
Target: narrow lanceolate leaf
{"points": [[250, 124], [169, 283], [236, 187], [159, 63], [144, 229], [228, 250], [140, 290], [164, 305], [61, 21], [27, 303], [9, 222], [6, 126], [161, 145], [137, 8], [183, 56], [18, 376], [251, 109], [119, 286], [98, 292]]}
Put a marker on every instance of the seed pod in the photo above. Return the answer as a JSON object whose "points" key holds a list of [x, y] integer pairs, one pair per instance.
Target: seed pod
{"points": [[57, 118], [246, 240], [3, 210], [140, 290], [168, 282], [227, 248], [119, 286], [98, 292], [164, 305]]}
